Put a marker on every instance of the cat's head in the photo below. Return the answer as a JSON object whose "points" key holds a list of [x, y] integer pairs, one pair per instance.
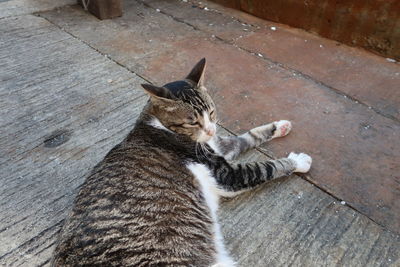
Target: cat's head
{"points": [[184, 106]]}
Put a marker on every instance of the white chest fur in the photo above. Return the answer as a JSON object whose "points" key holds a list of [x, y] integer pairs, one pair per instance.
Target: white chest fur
{"points": [[211, 195], [208, 186]]}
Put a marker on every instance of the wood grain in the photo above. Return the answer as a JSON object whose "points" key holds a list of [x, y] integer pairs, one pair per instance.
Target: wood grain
{"points": [[64, 106], [250, 90], [52, 83], [19, 7]]}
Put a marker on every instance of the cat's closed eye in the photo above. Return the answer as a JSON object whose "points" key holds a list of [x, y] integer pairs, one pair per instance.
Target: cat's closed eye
{"points": [[193, 123], [212, 115]]}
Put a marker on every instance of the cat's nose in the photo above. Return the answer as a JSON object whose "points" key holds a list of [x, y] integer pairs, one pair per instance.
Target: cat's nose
{"points": [[210, 130]]}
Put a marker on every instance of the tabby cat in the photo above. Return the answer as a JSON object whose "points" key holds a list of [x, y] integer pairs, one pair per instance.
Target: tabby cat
{"points": [[153, 200]]}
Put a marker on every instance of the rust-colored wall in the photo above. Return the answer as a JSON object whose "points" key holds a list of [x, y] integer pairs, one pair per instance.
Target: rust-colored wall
{"points": [[372, 24]]}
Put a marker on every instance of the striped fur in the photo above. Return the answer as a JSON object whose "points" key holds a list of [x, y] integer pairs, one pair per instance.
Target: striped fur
{"points": [[152, 201]]}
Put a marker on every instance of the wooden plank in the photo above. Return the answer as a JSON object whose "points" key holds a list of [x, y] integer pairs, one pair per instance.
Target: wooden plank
{"points": [[250, 90], [52, 83], [366, 77], [60, 115], [292, 223], [19, 7], [366, 24]]}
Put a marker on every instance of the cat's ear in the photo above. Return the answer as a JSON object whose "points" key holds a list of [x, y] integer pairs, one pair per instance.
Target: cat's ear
{"points": [[197, 73], [158, 92]]}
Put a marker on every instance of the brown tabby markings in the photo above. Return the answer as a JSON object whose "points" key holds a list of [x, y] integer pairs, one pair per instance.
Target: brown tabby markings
{"points": [[152, 201]]}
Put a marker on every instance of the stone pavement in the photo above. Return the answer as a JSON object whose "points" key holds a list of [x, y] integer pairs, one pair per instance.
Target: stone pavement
{"points": [[70, 90]]}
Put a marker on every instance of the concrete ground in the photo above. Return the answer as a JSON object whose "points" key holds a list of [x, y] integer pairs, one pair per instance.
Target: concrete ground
{"points": [[70, 91]]}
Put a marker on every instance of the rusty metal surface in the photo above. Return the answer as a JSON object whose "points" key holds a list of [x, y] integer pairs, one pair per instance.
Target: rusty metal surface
{"points": [[374, 25], [355, 150]]}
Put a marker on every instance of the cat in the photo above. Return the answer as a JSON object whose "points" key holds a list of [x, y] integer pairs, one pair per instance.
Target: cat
{"points": [[153, 199]]}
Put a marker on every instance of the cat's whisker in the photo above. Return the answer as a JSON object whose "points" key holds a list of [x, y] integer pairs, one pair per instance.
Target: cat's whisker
{"points": [[199, 149], [219, 121], [206, 151], [196, 149]]}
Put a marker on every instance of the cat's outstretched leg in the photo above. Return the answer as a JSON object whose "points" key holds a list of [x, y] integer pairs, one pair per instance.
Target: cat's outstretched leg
{"points": [[231, 147], [235, 178]]}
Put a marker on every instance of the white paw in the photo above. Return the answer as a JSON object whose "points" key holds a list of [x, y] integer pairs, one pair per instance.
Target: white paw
{"points": [[283, 127], [303, 162]]}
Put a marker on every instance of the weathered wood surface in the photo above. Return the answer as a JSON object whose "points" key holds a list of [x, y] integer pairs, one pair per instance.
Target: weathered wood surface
{"points": [[292, 223], [51, 82], [18, 7], [251, 89], [64, 105]]}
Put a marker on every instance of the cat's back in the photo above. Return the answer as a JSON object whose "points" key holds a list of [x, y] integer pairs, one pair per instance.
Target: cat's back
{"points": [[140, 206]]}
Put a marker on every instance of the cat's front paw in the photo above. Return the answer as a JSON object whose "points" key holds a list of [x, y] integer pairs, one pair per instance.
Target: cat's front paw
{"points": [[302, 161], [283, 127]]}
